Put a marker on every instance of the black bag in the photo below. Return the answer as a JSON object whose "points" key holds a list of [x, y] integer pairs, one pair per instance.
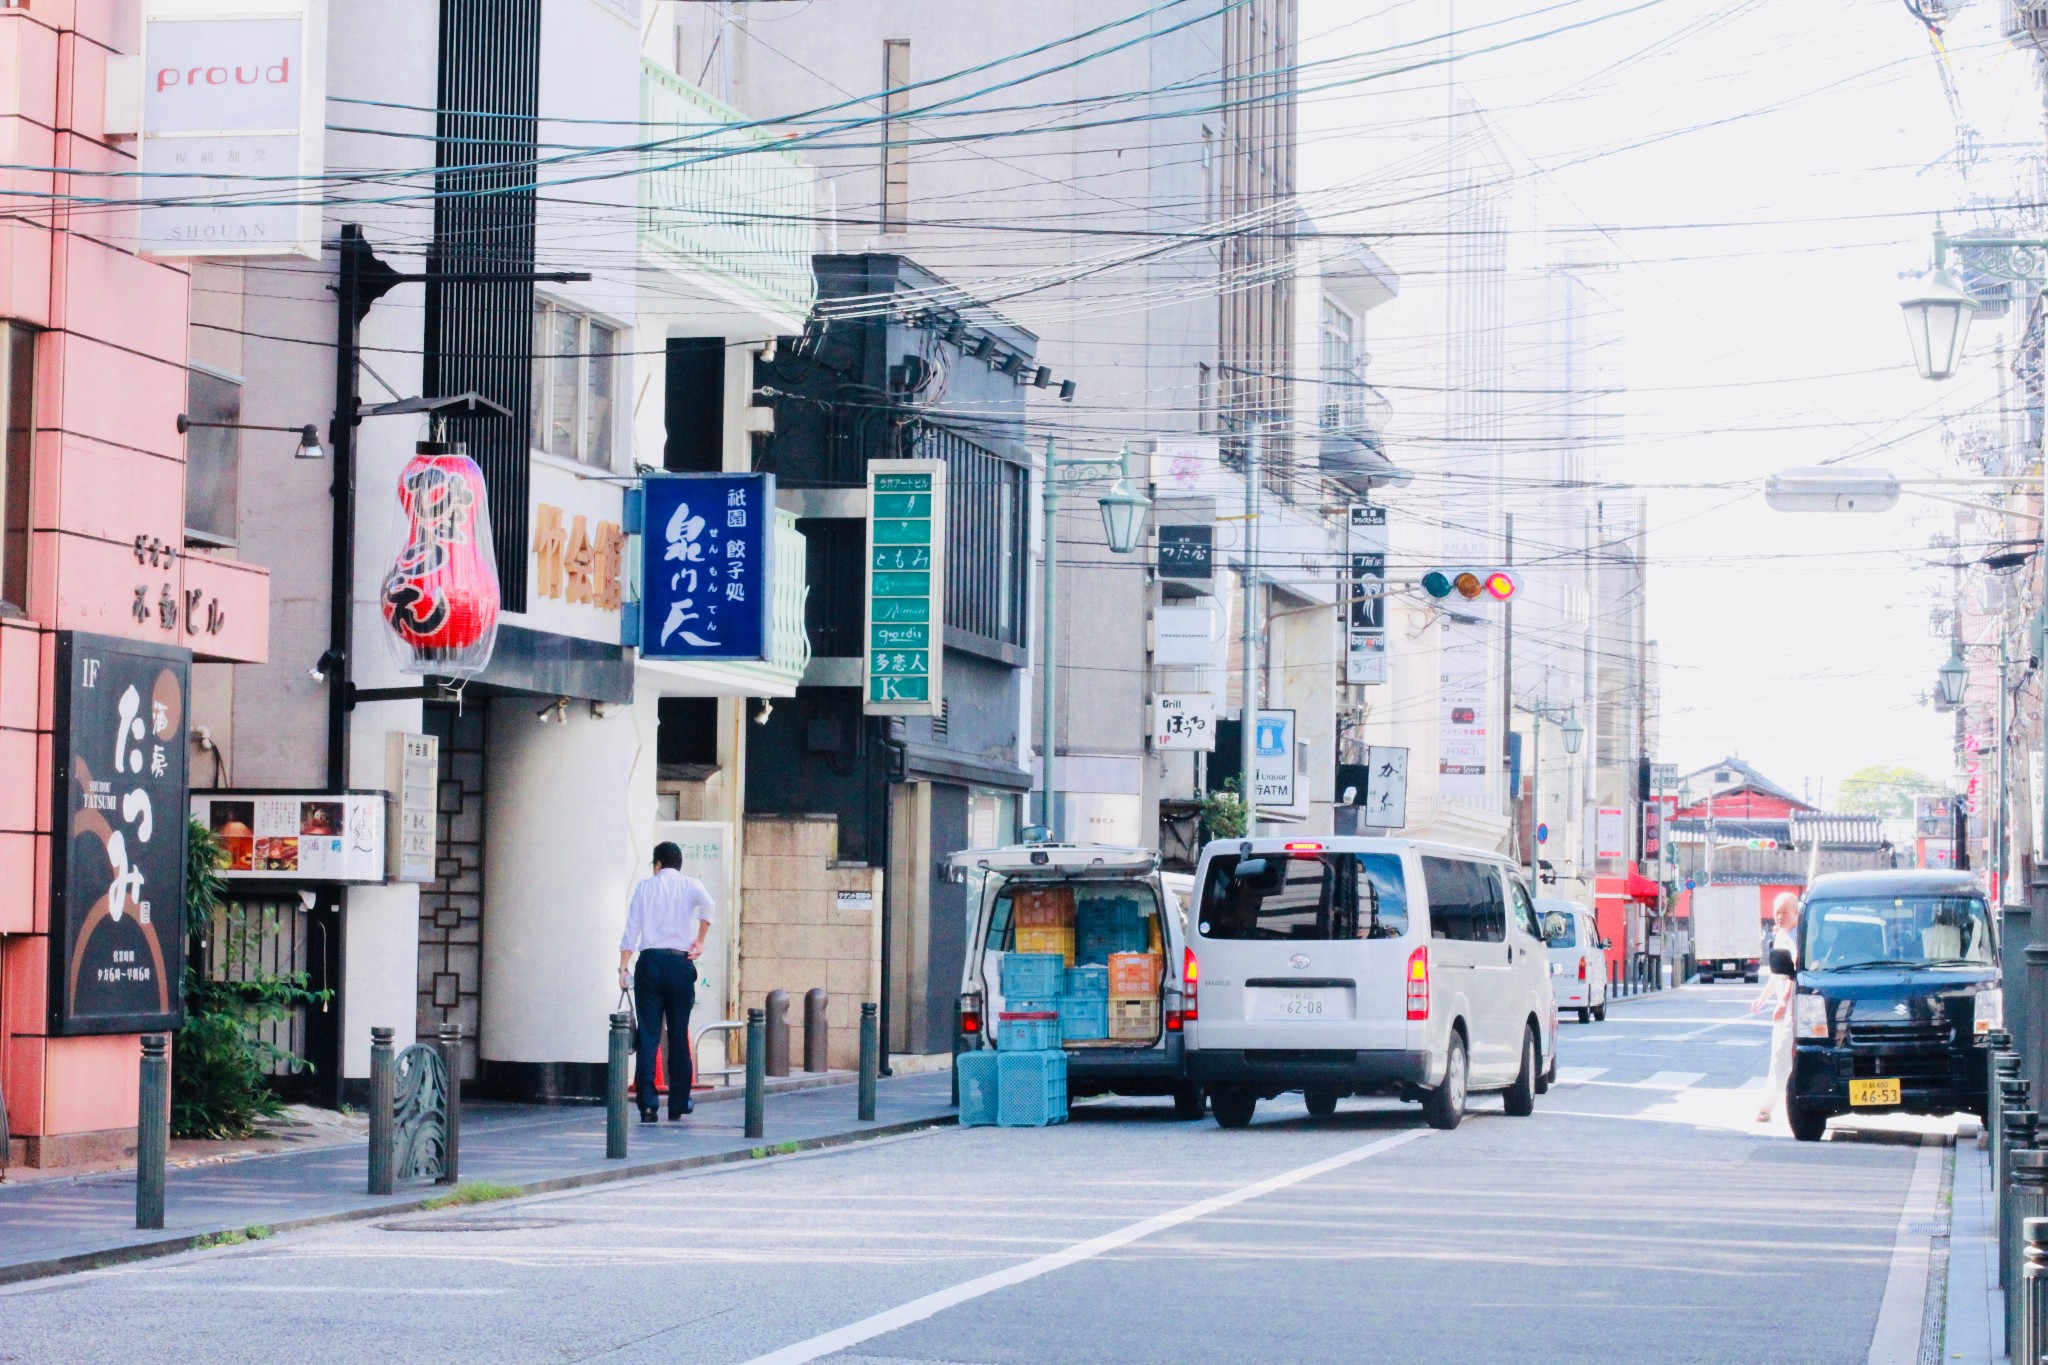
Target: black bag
{"points": [[632, 1014]]}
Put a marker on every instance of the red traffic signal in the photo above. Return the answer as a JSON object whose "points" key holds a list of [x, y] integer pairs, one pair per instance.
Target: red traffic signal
{"points": [[1499, 585]]}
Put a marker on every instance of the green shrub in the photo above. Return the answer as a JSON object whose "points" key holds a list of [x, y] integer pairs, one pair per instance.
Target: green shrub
{"points": [[220, 1068], [1223, 812]]}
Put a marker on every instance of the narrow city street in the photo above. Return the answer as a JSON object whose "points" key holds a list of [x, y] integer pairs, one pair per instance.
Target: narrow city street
{"points": [[1641, 1214]]}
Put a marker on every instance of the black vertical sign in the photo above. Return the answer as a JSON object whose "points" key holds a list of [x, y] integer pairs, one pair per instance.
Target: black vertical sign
{"points": [[1187, 552], [117, 875]]}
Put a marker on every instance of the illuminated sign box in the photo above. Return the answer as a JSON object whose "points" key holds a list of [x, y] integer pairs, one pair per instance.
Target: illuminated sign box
{"points": [[297, 836]]}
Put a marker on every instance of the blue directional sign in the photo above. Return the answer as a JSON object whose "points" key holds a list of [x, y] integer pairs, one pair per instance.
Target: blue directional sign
{"points": [[706, 566]]}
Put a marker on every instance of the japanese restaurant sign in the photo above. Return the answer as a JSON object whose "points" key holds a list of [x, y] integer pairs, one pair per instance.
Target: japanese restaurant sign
{"points": [[117, 876], [706, 566], [906, 596], [296, 836]]}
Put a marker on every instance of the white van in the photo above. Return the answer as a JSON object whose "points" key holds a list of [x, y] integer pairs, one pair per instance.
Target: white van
{"points": [[1055, 886], [1344, 966], [1578, 958]]}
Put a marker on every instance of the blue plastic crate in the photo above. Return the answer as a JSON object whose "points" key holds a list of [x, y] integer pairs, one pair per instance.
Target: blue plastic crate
{"points": [[1022, 1005], [1102, 927], [1088, 981], [1031, 1089], [1028, 1035], [1033, 976], [1084, 1017], [980, 1088]]}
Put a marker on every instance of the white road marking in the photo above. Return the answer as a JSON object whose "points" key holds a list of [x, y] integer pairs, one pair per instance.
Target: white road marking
{"points": [[1578, 1075], [161, 1288], [1672, 1080], [917, 1310], [1897, 1339], [1742, 1042]]}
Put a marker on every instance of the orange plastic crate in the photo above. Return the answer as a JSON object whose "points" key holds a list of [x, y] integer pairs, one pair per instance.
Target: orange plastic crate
{"points": [[1045, 907], [1135, 973]]}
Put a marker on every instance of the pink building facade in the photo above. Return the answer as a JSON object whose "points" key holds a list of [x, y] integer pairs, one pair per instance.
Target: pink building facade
{"points": [[95, 368]]}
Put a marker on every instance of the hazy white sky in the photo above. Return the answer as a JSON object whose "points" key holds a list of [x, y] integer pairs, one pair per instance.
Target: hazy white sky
{"points": [[1760, 174]]}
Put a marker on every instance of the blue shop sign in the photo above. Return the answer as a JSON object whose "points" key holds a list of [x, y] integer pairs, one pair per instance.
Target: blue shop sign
{"points": [[706, 562]]}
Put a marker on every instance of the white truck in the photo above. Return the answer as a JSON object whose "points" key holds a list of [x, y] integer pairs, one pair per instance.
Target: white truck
{"points": [[1727, 931]]}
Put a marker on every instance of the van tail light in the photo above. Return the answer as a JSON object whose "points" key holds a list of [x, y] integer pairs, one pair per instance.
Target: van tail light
{"points": [[1188, 972], [1418, 983], [1173, 1018], [970, 1016], [1582, 967]]}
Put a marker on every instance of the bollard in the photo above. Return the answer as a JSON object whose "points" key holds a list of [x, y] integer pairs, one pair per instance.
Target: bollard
{"points": [[817, 1041], [870, 1058], [449, 1045], [778, 1033], [617, 1059], [152, 1132], [2033, 1291], [383, 1081], [2020, 1127], [2003, 1065], [2028, 1192], [757, 1073]]}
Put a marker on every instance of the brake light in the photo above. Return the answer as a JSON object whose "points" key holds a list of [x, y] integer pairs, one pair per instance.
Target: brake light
{"points": [[1582, 968], [1304, 848], [1188, 972], [1173, 1021], [1418, 983], [970, 1014]]}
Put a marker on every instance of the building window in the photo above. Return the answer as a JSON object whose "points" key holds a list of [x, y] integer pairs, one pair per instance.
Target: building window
{"points": [[17, 429], [1342, 405], [986, 522], [213, 458], [895, 155], [575, 382]]}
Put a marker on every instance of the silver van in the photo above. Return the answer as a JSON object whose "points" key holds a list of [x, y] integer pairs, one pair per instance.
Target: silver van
{"points": [[1344, 966], [1029, 897]]}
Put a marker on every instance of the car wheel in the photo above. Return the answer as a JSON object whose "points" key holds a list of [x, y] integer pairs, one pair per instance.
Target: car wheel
{"points": [[1807, 1124], [1444, 1106], [1233, 1108], [1189, 1102], [1321, 1103], [1521, 1096], [1600, 1011], [1585, 1015]]}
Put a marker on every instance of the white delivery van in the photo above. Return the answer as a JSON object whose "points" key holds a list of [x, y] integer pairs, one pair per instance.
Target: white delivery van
{"points": [[1578, 958], [1041, 898], [1346, 966]]}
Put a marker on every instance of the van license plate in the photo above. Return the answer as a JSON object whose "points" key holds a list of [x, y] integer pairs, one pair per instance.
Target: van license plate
{"points": [[1306, 1004], [1875, 1092]]}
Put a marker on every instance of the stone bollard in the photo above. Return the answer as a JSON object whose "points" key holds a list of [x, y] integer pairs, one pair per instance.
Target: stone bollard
{"points": [[757, 1073], [383, 1088], [2028, 1192], [870, 1058], [449, 1045], [152, 1132], [2004, 1065], [778, 1032], [2033, 1331], [618, 1058], [2020, 1127], [817, 1037]]}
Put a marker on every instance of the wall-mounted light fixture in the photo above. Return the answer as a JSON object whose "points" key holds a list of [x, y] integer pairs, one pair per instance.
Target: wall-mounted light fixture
{"points": [[309, 435]]}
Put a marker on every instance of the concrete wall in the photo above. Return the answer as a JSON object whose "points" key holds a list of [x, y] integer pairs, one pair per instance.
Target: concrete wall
{"points": [[795, 934]]}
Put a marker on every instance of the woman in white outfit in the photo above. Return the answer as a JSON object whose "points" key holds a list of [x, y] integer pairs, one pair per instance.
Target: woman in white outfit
{"points": [[1777, 995]]}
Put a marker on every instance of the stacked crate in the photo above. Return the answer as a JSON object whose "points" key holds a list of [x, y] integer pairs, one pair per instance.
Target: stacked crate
{"points": [[1023, 1084], [1134, 982], [1084, 1008], [1044, 918]]}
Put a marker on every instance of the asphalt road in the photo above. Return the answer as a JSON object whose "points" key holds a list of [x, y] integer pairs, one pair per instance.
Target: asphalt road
{"points": [[1640, 1215]]}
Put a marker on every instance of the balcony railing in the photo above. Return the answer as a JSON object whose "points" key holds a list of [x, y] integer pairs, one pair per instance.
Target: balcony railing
{"points": [[719, 198]]}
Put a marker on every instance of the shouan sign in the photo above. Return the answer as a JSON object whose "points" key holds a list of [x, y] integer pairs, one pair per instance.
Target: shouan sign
{"points": [[1187, 553], [1273, 759], [117, 876], [412, 766], [706, 568], [1365, 618], [231, 128], [1184, 720], [906, 595], [296, 836], [1386, 787]]}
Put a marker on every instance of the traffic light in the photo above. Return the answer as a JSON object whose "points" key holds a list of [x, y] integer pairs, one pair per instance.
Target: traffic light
{"points": [[1471, 584], [1765, 844]]}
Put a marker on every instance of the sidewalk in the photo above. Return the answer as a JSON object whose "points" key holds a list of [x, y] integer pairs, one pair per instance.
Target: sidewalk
{"points": [[1974, 1319], [50, 1227]]}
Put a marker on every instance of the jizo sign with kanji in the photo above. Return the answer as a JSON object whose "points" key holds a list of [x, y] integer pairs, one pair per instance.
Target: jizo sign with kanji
{"points": [[906, 596], [117, 851], [706, 566]]}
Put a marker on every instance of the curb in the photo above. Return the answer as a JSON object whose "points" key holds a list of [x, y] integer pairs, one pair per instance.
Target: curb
{"points": [[204, 1239]]}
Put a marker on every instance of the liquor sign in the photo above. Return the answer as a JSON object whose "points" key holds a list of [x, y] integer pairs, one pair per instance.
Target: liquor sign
{"points": [[117, 876], [1273, 759], [1386, 787], [707, 588], [412, 768], [1187, 553], [233, 103], [296, 836], [1365, 589], [1184, 720], [906, 596], [440, 597]]}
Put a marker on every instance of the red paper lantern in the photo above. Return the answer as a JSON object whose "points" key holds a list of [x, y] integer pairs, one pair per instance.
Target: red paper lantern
{"points": [[441, 596]]}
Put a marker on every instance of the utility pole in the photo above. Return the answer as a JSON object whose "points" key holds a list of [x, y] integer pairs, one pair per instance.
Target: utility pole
{"points": [[1048, 668], [1248, 708], [1507, 696]]}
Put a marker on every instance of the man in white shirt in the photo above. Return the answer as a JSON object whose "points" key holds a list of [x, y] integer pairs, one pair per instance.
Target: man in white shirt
{"points": [[666, 925]]}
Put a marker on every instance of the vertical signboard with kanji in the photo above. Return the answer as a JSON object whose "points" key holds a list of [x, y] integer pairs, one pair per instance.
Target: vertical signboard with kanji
{"points": [[906, 596], [1386, 787], [1365, 620], [117, 848], [705, 566]]}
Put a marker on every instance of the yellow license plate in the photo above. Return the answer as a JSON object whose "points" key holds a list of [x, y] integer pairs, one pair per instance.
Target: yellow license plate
{"points": [[1874, 1092]]}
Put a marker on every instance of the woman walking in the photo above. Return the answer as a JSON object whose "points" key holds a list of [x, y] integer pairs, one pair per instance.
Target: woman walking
{"points": [[1777, 996]]}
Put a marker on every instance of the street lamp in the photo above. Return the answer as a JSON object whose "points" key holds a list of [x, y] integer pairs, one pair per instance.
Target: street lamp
{"points": [[1123, 523], [309, 436], [1832, 488], [1574, 734], [1938, 317], [1951, 678]]}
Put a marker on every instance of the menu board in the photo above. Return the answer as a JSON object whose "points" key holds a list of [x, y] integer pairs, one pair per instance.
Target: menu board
{"points": [[284, 836]]}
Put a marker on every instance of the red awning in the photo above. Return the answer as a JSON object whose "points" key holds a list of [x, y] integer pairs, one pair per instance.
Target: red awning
{"points": [[1641, 888]]}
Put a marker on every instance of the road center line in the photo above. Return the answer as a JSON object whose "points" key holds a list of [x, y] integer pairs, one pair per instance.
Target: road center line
{"points": [[917, 1310]]}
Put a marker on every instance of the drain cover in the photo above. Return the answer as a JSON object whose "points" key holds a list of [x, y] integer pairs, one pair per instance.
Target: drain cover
{"points": [[505, 1224]]}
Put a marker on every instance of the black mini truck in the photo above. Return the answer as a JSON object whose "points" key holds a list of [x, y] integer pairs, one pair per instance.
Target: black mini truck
{"points": [[1898, 978]]}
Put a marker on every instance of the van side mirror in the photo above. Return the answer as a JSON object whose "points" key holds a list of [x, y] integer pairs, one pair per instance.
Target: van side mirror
{"points": [[1781, 963]]}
